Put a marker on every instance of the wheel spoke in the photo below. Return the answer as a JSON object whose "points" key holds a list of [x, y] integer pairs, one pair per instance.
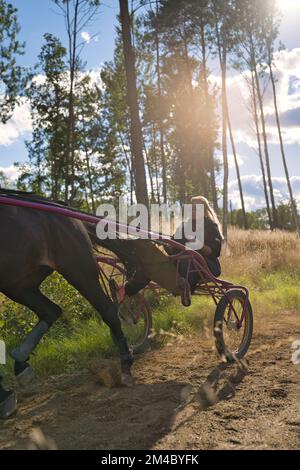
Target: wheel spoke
{"points": [[236, 334]]}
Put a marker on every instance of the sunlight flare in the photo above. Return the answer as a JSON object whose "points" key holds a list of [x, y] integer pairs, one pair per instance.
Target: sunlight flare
{"points": [[288, 5]]}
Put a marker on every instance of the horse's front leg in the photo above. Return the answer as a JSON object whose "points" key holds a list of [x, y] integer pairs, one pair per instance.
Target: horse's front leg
{"points": [[87, 283], [109, 314]]}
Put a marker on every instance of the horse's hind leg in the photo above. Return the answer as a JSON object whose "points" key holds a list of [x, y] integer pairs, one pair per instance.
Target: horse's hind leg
{"points": [[85, 280], [48, 313], [8, 402]]}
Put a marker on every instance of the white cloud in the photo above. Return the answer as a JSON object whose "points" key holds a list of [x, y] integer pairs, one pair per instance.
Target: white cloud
{"points": [[287, 75], [87, 38], [11, 172], [254, 191], [85, 35], [18, 125], [240, 160]]}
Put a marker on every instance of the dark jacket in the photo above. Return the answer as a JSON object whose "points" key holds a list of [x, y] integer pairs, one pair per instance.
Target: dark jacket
{"points": [[213, 239]]}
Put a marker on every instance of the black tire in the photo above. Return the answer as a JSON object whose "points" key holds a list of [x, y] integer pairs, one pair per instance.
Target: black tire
{"points": [[138, 332], [222, 327]]}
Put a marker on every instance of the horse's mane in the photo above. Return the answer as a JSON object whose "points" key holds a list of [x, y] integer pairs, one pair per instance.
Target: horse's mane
{"points": [[31, 196]]}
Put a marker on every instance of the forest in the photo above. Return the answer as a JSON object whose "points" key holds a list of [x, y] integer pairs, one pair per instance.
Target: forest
{"points": [[154, 124]]}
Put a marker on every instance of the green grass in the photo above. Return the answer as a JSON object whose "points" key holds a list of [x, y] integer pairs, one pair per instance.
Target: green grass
{"points": [[272, 292], [89, 339], [78, 337]]}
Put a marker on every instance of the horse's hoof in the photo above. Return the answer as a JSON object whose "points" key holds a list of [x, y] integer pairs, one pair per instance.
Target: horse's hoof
{"points": [[8, 404], [25, 377], [127, 380]]}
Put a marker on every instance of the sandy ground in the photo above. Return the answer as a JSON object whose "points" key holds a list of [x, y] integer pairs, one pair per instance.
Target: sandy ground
{"points": [[183, 399]]}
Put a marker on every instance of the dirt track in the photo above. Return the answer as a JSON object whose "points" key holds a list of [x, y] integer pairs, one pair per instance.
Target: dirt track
{"points": [[183, 399]]}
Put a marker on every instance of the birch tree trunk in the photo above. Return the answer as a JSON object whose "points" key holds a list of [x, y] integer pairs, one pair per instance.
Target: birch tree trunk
{"points": [[292, 200]]}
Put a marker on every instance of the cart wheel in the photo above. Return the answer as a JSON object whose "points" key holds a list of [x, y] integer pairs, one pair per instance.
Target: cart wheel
{"points": [[136, 319], [232, 337]]}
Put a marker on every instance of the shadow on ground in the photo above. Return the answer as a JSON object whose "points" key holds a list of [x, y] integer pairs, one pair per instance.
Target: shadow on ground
{"points": [[74, 412]]}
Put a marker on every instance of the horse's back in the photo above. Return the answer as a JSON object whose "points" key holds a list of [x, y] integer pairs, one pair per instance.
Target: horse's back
{"points": [[31, 239], [31, 223]]}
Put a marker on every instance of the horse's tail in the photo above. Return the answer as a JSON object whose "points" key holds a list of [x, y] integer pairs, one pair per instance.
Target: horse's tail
{"points": [[120, 248], [108, 243]]}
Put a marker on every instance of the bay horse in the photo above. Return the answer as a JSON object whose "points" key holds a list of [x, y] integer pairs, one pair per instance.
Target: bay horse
{"points": [[34, 244]]}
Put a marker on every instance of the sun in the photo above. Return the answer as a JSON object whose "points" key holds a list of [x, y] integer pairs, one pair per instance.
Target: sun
{"points": [[288, 5]]}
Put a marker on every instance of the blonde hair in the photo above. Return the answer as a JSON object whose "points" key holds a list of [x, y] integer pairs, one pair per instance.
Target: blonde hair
{"points": [[208, 211]]}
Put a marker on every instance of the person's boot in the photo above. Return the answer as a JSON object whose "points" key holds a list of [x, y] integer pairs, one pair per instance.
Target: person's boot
{"points": [[185, 291]]}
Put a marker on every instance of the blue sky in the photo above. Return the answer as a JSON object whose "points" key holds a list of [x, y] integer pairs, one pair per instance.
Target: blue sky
{"points": [[39, 16], [36, 17]]}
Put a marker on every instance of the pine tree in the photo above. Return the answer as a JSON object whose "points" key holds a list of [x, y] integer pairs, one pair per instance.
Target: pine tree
{"points": [[77, 15], [184, 101], [48, 100], [13, 78], [138, 164]]}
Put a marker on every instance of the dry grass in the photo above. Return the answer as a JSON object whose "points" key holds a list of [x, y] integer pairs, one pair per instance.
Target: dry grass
{"points": [[248, 252]]}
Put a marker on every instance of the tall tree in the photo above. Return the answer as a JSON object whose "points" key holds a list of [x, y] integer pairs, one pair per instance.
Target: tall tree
{"points": [[224, 17], [251, 54], [265, 140], [102, 163], [205, 34], [13, 78], [116, 107], [160, 96], [136, 128], [245, 221], [270, 31], [98, 161], [77, 15], [183, 103], [48, 99], [254, 112]]}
